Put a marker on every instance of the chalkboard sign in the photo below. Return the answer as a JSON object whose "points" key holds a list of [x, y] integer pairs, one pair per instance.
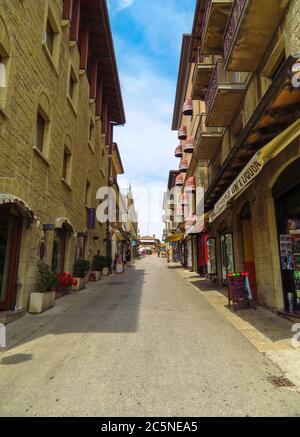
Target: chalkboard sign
{"points": [[239, 289]]}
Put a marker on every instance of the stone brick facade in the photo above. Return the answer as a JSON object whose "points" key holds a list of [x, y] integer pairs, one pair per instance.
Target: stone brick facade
{"points": [[35, 78]]}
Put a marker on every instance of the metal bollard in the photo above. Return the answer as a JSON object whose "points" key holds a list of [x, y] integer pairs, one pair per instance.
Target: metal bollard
{"points": [[2, 336]]}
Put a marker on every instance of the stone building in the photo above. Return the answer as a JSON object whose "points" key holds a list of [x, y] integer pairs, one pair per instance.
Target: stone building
{"points": [[242, 70], [59, 100]]}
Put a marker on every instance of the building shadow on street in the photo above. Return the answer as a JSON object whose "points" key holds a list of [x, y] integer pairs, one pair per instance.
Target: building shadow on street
{"points": [[108, 306], [16, 359]]}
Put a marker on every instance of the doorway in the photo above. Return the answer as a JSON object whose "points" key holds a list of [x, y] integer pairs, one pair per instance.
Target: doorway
{"points": [[227, 258], [10, 241], [59, 250], [248, 246], [286, 193]]}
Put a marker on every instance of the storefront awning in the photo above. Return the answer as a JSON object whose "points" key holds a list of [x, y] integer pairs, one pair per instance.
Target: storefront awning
{"points": [[60, 222], [6, 198], [174, 238], [255, 166]]}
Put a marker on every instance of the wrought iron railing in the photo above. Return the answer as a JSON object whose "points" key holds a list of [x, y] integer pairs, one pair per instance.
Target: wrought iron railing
{"points": [[203, 60], [222, 77], [203, 129], [233, 22]]}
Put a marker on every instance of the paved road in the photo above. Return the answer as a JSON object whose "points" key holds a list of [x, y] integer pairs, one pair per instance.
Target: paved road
{"points": [[141, 344]]}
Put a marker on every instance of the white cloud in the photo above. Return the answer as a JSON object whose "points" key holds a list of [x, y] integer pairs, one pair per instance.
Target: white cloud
{"points": [[123, 4]]}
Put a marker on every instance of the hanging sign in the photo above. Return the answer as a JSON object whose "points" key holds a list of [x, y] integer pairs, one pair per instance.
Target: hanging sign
{"points": [[91, 218], [252, 169]]}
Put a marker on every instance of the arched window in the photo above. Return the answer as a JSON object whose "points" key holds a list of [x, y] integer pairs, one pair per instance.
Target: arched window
{"points": [[5, 54], [41, 138]]}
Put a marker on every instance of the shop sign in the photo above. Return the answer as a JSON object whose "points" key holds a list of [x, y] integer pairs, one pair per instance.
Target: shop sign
{"points": [[239, 289], [91, 218], [252, 169]]}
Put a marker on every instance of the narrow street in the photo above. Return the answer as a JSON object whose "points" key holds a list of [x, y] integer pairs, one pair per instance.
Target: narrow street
{"points": [[140, 344]]}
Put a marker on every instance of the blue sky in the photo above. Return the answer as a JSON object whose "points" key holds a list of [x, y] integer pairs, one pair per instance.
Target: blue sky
{"points": [[147, 37]]}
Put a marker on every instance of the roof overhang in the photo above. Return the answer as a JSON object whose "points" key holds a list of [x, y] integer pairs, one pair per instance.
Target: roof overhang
{"points": [[95, 15], [195, 42], [117, 161], [182, 82], [172, 178]]}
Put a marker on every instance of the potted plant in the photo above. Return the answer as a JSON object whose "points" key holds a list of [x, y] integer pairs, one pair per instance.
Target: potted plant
{"points": [[96, 268], [66, 282], [44, 298], [81, 269], [106, 263]]}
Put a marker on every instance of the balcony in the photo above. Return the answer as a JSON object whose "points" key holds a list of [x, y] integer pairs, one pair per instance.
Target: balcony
{"points": [[249, 31], [203, 71], [225, 92], [215, 20], [208, 139]]}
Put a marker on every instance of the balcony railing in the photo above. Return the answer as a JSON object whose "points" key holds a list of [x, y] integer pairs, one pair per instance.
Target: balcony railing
{"points": [[205, 18], [221, 78], [202, 60], [206, 130], [236, 13]]}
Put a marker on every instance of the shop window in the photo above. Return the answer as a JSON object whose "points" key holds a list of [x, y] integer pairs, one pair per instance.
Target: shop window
{"points": [[4, 63], [52, 38], [66, 171]]}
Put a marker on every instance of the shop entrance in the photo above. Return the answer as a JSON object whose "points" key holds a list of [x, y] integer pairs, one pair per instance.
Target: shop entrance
{"points": [[59, 249], [286, 192], [10, 240], [226, 256], [248, 246]]}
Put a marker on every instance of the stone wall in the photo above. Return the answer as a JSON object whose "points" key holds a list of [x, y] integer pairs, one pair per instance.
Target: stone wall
{"points": [[24, 172]]}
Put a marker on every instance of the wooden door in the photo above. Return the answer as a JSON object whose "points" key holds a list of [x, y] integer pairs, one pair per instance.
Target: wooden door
{"points": [[10, 240]]}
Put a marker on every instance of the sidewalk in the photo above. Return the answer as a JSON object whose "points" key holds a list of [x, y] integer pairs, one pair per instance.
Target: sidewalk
{"points": [[18, 331], [267, 332]]}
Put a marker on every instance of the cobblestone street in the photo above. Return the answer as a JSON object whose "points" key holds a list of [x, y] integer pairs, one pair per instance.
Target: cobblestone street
{"points": [[145, 343]]}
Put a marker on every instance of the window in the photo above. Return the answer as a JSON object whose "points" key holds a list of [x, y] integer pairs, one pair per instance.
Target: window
{"points": [[2, 73], [49, 37], [92, 134], [87, 193], [66, 172], [52, 38], [41, 135], [39, 141], [72, 90], [72, 85], [4, 64]]}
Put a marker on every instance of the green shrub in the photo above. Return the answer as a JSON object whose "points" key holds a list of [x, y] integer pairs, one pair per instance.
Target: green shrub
{"points": [[48, 280], [81, 268], [107, 261], [97, 263]]}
